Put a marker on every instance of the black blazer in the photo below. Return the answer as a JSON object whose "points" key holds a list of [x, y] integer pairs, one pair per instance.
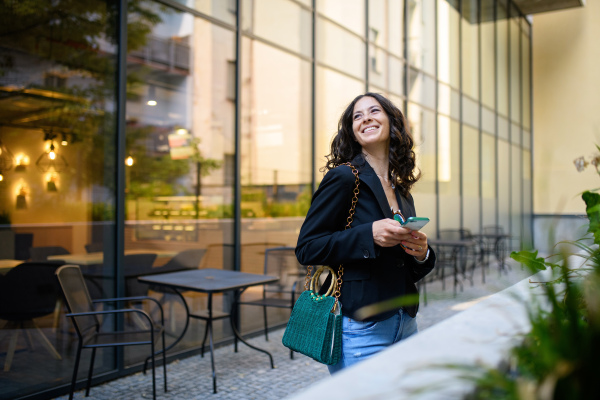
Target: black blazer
{"points": [[371, 273]]}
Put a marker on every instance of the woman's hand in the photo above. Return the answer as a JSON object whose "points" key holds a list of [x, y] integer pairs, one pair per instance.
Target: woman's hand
{"points": [[388, 233]]}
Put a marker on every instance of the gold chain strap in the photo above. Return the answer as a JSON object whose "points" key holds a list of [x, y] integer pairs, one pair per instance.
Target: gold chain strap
{"points": [[350, 218], [337, 292]]}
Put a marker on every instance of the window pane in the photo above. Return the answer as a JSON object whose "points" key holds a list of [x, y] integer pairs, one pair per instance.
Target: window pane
{"points": [[334, 92], [396, 27], [421, 28], [276, 158], [396, 77], [422, 126], [515, 78], [470, 48], [488, 120], [502, 58], [180, 134], [421, 88], [488, 179], [470, 112], [224, 10], [526, 73], [515, 134], [448, 44], [470, 178], [515, 204], [527, 211], [291, 29], [377, 23], [378, 63], [503, 128], [351, 15], [503, 185], [449, 172], [488, 90], [58, 92], [448, 101], [335, 47]]}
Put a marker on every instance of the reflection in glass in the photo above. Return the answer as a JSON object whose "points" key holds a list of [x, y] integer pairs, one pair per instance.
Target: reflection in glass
{"points": [[515, 68], [526, 73], [449, 172], [334, 92], [422, 126], [504, 163], [350, 16], [291, 29], [378, 66], [488, 89], [396, 76], [470, 178], [224, 10], [275, 158], [516, 175], [58, 91], [395, 17], [448, 44], [502, 57], [470, 48], [421, 35], [336, 46], [421, 88], [488, 179], [421, 123]]}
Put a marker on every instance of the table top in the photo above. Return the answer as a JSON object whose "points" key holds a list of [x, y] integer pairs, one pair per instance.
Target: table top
{"points": [[98, 257], [208, 280], [7, 263]]}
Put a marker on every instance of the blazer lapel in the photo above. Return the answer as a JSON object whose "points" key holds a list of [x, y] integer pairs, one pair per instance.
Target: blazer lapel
{"points": [[367, 175]]}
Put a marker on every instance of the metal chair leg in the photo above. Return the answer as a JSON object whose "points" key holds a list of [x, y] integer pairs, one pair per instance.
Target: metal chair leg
{"points": [[89, 379]]}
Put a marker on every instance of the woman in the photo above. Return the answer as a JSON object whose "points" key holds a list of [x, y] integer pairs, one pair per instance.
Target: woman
{"points": [[381, 259]]}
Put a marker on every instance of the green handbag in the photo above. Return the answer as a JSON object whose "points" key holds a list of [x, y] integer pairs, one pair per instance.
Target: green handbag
{"points": [[315, 325]]}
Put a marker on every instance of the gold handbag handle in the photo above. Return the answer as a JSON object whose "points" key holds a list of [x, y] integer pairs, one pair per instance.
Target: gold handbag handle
{"points": [[315, 279]]}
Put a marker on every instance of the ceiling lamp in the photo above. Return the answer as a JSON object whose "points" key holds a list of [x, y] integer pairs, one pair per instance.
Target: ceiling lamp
{"points": [[49, 159]]}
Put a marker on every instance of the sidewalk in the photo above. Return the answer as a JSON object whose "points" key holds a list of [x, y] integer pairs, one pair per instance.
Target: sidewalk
{"points": [[247, 374]]}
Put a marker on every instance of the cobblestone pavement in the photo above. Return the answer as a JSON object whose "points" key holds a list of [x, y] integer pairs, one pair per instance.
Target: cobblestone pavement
{"points": [[248, 375]]}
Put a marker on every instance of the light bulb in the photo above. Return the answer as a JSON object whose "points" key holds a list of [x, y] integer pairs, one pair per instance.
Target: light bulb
{"points": [[1, 177], [52, 155], [129, 161]]}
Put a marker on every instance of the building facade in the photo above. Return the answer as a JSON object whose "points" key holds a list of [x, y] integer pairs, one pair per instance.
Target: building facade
{"points": [[168, 125]]}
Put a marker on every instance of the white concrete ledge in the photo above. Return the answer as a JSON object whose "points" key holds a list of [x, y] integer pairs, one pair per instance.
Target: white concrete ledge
{"points": [[482, 334]]}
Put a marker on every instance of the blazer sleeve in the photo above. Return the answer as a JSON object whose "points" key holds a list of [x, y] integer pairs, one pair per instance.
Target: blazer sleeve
{"points": [[323, 239]]}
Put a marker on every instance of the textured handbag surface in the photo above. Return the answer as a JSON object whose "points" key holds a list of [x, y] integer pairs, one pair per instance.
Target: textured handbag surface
{"points": [[313, 330]]}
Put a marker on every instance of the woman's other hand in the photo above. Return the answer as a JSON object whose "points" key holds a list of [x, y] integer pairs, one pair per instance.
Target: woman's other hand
{"points": [[388, 233]]}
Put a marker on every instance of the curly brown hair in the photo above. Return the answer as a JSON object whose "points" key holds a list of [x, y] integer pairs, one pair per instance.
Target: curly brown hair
{"points": [[402, 165]]}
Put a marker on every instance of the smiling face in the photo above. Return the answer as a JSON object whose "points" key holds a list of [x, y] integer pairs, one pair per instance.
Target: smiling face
{"points": [[370, 124]]}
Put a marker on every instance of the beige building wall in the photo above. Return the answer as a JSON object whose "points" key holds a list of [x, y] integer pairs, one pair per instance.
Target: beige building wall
{"points": [[566, 106]]}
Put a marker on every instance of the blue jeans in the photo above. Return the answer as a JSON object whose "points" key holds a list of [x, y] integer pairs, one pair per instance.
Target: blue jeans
{"points": [[361, 340]]}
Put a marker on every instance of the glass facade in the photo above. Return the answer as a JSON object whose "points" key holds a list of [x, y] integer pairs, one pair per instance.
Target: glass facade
{"points": [[224, 123]]}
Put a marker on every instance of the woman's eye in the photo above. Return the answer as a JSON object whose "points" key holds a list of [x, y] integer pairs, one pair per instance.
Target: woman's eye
{"points": [[356, 116]]}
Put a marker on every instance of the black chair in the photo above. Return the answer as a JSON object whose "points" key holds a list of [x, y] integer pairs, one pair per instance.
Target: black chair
{"points": [[42, 253], [94, 247], [23, 243], [93, 334], [281, 262], [28, 291], [135, 265]]}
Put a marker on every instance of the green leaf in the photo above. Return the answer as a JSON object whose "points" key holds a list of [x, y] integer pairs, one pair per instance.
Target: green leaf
{"points": [[592, 202], [387, 305], [529, 259]]}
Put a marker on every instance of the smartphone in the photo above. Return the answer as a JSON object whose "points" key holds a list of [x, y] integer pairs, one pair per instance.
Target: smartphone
{"points": [[415, 223]]}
